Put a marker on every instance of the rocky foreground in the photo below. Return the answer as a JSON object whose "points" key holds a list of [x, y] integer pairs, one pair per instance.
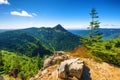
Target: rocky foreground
{"points": [[64, 67]]}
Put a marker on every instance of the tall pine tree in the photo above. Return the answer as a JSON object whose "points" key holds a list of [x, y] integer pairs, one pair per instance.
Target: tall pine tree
{"points": [[94, 34]]}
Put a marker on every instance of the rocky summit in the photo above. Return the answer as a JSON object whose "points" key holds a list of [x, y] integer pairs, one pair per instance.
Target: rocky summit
{"points": [[62, 66]]}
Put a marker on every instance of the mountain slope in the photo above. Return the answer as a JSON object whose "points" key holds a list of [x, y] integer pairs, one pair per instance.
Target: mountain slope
{"points": [[56, 37], [32, 41], [21, 42]]}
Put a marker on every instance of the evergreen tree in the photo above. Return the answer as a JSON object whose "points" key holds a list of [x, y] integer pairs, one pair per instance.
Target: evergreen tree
{"points": [[94, 34], [39, 61], [1, 63]]}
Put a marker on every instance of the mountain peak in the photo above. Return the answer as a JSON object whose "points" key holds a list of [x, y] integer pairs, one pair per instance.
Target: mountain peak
{"points": [[59, 27]]}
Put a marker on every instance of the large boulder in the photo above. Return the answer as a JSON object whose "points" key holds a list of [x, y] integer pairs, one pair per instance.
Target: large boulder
{"points": [[71, 68], [56, 58]]}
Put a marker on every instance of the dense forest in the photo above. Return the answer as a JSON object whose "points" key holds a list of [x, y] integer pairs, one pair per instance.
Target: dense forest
{"points": [[56, 37], [27, 66], [23, 43], [32, 41]]}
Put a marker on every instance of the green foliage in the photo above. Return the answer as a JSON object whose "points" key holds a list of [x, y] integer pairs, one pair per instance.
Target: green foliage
{"points": [[58, 37], [1, 63], [27, 66], [39, 62], [34, 41], [84, 41], [22, 43], [94, 34], [108, 51]]}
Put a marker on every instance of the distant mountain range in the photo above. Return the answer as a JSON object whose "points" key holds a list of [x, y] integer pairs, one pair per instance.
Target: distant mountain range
{"points": [[3, 30], [44, 41], [110, 33], [32, 41]]}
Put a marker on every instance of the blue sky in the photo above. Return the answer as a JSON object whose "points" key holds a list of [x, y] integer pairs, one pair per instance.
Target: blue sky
{"points": [[71, 14]]}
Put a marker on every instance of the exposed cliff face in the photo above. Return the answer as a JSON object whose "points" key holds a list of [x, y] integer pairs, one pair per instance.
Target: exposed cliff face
{"points": [[92, 71]]}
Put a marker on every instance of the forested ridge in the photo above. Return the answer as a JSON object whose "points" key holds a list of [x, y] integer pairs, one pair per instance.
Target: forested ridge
{"points": [[32, 41]]}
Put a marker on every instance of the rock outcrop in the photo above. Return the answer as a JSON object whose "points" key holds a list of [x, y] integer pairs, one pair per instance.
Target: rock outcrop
{"points": [[92, 71], [60, 67], [56, 58], [71, 68], [66, 70]]}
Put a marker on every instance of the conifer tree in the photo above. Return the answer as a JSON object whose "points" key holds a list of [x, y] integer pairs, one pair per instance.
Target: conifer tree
{"points": [[94, 34]]}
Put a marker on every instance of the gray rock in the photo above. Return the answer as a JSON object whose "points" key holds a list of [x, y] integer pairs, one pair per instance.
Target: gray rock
{"points": [[56, 58], [71, 68], [48, 62]]}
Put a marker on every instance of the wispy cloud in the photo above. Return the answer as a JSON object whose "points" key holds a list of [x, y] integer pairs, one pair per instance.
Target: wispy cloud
{"points": [[34, 14], [110, 26], [4, 2], [22, 13]]}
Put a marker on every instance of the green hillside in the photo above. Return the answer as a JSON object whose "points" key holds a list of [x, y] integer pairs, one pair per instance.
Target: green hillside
{"points": [[32, 41], [21, 42], [27, 66], [56, 37]]}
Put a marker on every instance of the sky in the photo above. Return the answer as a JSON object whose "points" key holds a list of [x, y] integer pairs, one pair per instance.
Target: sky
{"points": [[71, 14]]}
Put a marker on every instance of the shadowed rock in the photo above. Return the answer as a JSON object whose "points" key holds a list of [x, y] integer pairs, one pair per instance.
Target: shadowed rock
{"points": [[56, 58], [71, 68]]}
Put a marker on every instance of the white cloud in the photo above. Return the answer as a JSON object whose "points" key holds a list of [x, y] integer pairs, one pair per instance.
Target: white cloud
{"points": [[22, 13], [4, 2]]}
